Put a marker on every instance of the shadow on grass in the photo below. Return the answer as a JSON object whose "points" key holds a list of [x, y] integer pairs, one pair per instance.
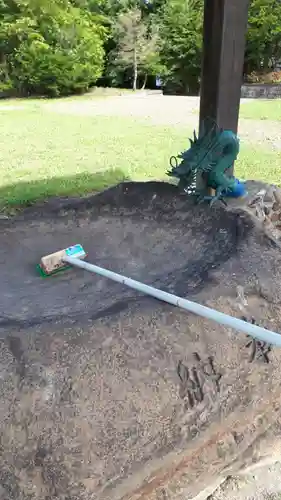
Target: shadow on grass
{"points": [[24, 193]]}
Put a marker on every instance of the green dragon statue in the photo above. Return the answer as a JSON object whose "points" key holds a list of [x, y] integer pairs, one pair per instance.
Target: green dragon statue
{"points": [[210, 154]]}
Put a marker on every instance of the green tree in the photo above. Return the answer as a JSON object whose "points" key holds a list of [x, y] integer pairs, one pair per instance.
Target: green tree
{"points": [[136, 48], [111, 8], [180, 29], [263, 49], [51, 48], [119, 72]]}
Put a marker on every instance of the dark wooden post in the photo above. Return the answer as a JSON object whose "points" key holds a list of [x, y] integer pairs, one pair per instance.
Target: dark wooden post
{"points": [[225, 25]]}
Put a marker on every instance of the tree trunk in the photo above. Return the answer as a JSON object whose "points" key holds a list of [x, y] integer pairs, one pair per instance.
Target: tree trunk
{"points": [[135, 70], [224, 30], [144, 82]]}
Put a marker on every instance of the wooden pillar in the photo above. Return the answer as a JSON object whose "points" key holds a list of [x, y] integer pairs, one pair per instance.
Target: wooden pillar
{"points": [[225, 25]]}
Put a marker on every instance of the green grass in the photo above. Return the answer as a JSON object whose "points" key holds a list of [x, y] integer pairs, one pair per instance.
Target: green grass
{"points": [[257, 163], [45, 154], [261, 110]]}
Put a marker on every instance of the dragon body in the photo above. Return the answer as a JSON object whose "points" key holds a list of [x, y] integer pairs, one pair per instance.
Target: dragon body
{"points": [[211, 154]]}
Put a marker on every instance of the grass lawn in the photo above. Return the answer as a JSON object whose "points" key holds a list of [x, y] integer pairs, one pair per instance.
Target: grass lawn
{"points": [[46, 154], [262, 110]]}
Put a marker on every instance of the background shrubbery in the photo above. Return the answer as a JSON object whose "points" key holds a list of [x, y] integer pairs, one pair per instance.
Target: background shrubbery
{"points": [[264, 77], [50, 48], [61, 47]]}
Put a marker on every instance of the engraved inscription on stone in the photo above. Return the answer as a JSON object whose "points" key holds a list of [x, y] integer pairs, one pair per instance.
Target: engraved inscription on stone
{"points": [[259, 350], [198, 381], [163, 494]]}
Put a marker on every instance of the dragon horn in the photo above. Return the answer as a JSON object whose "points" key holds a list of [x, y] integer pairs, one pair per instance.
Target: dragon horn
{"points": [[194, 136]]}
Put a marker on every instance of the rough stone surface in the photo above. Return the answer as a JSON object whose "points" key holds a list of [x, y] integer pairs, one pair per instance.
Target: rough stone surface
{"points": [[258, 91], [106, 394], [262, 484]]}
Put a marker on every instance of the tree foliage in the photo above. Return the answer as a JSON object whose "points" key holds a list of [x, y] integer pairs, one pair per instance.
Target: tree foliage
{"points": [[136, 49], [50, 48], [181, 26], [263, 49], [56, 47]]}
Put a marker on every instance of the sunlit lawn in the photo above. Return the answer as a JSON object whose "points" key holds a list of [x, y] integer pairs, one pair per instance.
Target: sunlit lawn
{"points": [[258, 109], [47, 154]]}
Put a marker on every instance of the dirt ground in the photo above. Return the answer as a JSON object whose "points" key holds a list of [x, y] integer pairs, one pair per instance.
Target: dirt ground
{"points": [[109, 395]]}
